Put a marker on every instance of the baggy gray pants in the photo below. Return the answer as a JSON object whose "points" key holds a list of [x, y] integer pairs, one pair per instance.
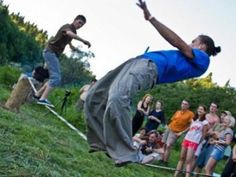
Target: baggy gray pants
{"points": [[107, 108]]}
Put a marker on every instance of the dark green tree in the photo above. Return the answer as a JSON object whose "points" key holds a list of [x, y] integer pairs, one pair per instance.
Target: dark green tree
{"points": [[75, 69]]}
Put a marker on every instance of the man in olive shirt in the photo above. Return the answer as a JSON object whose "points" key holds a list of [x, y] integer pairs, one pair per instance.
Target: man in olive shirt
{"points": [[180, 122], [51, 53]]}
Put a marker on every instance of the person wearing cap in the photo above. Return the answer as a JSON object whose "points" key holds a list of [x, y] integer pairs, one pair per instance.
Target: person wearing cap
{"points": [[225, 113]]}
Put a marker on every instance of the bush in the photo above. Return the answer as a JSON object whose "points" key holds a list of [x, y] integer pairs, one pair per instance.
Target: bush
{"points": [[9, 75], [74, 71], [69, 111]]}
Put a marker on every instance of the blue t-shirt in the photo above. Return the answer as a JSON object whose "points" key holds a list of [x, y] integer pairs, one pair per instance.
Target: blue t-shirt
{"points": [[173, 66]]}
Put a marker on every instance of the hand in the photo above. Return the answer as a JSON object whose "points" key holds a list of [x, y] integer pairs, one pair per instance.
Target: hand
{"points": [[143, 142], [149, 149], [87, 43], [178, 134], [150, 117], [73, 48], [143, 6], [215, 135], [211, 141], [216, 142]]}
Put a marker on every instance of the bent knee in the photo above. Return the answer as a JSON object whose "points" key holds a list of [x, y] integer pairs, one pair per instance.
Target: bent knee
{"points": [[55, 81]]}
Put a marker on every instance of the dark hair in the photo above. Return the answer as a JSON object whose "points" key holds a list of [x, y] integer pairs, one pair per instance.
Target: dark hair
{"points": [[211, 49], [80, 17], [41, 73], [94, 80], [162, 104], [157, 134], [203, 116], [143, 128], [217, 105]]}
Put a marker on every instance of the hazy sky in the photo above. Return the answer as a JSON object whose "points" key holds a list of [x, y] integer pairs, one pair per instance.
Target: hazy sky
{"points": [[118, 31]]}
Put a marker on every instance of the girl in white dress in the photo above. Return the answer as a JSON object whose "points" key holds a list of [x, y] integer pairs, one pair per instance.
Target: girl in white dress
{"points": [[194, 136]]}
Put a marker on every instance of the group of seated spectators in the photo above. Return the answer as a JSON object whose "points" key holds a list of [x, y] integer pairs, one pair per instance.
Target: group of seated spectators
{"points": [[206, 136]]}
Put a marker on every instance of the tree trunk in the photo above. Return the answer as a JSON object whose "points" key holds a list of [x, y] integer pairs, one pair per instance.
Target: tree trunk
{"points": [[19, 94]]}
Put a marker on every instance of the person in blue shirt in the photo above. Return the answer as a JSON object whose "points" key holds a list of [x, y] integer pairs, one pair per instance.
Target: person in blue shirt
{"points": [[107, 106]]}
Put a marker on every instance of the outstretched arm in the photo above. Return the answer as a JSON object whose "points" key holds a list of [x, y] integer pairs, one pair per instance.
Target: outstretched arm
{"points": [[75, 36], [166, 33]]}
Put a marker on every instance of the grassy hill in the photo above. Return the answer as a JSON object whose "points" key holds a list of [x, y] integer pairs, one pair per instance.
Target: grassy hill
{"points": [[36, 143]]}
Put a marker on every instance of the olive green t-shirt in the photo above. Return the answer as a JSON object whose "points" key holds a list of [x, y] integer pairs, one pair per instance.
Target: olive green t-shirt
{"points": [[58, 43]]}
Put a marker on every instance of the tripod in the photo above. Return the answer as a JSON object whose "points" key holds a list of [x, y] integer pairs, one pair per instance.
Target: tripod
{"points": [[64, 101]]}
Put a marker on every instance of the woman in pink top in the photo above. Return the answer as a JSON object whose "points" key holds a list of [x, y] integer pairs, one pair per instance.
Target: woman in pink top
{"points": [[195, 134]]}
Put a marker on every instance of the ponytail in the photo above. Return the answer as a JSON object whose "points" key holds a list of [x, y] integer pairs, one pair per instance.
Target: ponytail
{"points": [[216, 51], [211, 50]]}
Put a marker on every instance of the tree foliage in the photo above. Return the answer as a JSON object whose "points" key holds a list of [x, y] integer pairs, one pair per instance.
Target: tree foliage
{"points": [[40, 36], [20, 41], [75, 69], [205, 82]]}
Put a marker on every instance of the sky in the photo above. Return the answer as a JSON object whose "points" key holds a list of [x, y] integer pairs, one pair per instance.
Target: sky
{"points": [[118, 31]]}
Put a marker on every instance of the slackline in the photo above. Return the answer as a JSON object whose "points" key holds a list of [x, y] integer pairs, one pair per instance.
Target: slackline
{"points": [[58, 116], [174, 169]]}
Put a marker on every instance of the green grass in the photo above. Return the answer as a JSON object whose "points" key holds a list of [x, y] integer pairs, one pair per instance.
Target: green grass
{"points": [[35, 143]]}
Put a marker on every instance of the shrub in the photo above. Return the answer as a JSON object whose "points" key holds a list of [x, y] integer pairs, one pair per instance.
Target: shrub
{"points": [[9, 75]]}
